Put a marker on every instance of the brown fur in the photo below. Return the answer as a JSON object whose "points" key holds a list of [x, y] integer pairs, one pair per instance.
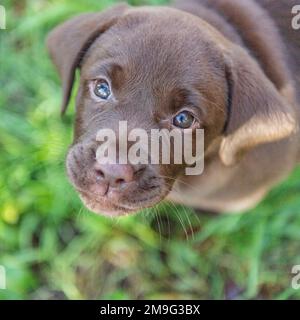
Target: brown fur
{"points": [[236, 73]]}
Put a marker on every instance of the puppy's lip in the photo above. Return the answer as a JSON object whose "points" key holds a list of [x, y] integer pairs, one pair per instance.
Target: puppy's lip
{"points": [[117, 209], [95, 206]]}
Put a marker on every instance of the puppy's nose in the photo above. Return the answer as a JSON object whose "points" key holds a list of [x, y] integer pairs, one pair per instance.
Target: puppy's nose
{"points": [[116, 175]]}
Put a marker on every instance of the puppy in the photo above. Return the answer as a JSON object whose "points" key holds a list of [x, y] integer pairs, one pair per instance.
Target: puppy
{"points": [[224, 66]]}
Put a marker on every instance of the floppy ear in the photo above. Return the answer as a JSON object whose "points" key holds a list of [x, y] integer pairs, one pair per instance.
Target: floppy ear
{"points": [[259, 113], [68, 43]]}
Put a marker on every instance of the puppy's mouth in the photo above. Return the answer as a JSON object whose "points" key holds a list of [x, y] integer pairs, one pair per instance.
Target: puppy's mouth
{"points": [[114, 204], [114, 190]]}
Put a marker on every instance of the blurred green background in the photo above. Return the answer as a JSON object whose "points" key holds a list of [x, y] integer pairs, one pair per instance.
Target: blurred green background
{"points": [[53, 248]]}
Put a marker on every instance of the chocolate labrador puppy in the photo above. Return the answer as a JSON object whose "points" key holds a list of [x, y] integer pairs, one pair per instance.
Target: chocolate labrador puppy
{"points": [[229, 67]]}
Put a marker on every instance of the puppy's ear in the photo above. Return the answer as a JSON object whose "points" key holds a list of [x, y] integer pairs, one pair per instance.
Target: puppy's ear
{"points": [[68, 43], [259, 113]]}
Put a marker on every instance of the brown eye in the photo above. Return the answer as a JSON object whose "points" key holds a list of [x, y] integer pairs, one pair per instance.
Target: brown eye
{"points": [[102, 89], [184, 120]]}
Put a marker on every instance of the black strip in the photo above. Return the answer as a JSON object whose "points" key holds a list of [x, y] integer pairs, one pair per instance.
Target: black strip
{"points": [[179, 309]]}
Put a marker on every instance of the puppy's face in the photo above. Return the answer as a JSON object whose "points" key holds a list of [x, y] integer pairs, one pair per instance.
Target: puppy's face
{"points": [[156, 69], [144, 71]]}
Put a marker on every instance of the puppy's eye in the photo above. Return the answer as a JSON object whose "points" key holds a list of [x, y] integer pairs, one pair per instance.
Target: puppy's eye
{"points": [[102, 89], [184, 120]]}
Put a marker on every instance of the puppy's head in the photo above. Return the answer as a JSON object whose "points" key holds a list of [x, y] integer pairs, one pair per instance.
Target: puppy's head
{"points": [[158, 68]]}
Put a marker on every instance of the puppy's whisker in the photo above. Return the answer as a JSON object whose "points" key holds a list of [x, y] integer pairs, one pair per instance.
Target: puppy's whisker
{"points": [[158, 223], [177, 213], [179, 180], [180, 196]]}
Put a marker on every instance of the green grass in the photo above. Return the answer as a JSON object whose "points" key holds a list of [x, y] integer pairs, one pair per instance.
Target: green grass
{"points": [[53, 248]]}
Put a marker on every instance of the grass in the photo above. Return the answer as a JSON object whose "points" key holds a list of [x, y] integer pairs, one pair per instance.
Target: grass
{"points": [[54, 248]]}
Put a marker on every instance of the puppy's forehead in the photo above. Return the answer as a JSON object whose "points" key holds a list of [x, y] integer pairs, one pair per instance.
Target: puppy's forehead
{"points": [[155, 39], [172, 20]]}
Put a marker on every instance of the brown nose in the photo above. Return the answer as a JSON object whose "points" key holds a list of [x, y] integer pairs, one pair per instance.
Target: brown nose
{"points": [[117, 175]]}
